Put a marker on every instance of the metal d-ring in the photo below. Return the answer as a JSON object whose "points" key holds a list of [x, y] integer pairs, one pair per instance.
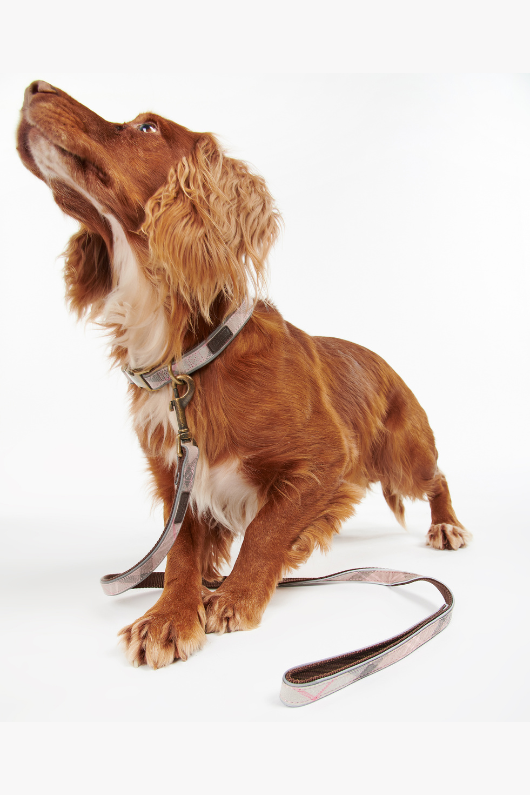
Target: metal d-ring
{"points": [[180, 380]]}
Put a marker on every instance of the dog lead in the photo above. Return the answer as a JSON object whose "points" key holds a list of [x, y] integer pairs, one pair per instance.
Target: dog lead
{"points": [[305, 683]]}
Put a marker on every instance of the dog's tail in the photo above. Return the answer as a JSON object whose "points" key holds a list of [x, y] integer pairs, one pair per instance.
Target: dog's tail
{"points": [[395, 503]]}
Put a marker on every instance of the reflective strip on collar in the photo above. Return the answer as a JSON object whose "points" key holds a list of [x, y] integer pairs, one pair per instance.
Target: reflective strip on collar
{"points": [[199, 356]]}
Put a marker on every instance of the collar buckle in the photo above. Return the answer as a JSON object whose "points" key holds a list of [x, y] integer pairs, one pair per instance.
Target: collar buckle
{"points": [[136, 377]]}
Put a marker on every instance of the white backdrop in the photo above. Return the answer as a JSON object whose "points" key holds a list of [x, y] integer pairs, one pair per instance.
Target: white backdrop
{"points": [[406, 202]]}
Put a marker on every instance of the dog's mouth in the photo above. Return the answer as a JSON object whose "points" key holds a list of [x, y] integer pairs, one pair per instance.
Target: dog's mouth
{"points": [[82, 164], [77, 166]]}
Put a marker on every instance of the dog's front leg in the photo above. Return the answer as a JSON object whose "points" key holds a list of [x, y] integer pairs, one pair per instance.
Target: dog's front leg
{"points": [[174, 627], [281, 537]]}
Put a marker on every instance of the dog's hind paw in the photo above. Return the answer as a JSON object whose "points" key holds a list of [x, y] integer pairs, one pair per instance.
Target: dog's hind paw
{"points": [[448, 536], [159, 639]]}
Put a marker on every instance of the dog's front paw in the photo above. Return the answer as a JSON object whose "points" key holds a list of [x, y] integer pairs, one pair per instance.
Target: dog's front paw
{"points": [[448, 536], [159, 638], [229, 611]]}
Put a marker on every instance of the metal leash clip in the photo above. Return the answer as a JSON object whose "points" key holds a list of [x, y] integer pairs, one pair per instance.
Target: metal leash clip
{"points": [[178, 404]]}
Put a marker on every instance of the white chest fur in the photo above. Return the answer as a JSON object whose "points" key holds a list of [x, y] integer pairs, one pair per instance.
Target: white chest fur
{"points": [[221, 492]]}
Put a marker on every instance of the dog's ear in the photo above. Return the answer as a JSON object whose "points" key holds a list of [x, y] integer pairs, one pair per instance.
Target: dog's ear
{"points": [[210, 228], [87, 271]]}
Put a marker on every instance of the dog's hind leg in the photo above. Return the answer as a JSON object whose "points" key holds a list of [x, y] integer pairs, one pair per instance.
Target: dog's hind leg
{"points": [[395, 503], [445, 532], [405, 461]]}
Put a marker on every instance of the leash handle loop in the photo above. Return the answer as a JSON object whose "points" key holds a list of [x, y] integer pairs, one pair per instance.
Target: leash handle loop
{"points": [[310, 682]]}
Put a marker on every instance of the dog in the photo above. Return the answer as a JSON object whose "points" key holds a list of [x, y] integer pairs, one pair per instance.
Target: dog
{"points": [[292, 429]]}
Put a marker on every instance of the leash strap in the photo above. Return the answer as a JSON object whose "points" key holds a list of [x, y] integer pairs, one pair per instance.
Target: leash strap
{"points": [[113, 584], [308, 683]]}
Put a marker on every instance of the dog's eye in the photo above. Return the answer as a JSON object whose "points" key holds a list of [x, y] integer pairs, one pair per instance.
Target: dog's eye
{"points": [[148, 127]]}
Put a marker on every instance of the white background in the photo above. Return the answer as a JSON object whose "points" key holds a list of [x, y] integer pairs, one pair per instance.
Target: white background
{"points": [[406, 202]]}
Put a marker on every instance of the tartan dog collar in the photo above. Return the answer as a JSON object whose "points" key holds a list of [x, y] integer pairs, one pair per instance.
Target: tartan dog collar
{"points": [[153, 379]]}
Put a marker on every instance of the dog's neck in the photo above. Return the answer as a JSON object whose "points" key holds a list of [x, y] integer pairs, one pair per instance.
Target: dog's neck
{"points": [[146, 329], [198, 328]]}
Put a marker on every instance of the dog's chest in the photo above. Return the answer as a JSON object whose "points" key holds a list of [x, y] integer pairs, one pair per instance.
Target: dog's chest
{"points": [[220, 492], [223, 493]]}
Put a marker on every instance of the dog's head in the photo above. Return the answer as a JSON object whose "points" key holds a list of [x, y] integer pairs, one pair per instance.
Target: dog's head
{"points": [[201, 224]]}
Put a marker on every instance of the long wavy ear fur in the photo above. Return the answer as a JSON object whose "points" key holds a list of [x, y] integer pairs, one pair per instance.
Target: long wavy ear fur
{"points": [[87, 272], [210, 229]]}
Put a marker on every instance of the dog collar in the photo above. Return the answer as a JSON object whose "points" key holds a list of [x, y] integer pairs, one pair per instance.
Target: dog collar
{"points": [[154, 379]]}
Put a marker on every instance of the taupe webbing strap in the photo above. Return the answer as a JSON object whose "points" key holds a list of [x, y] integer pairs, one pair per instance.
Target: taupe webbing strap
{"points": [[114, 584], [310, 682]]}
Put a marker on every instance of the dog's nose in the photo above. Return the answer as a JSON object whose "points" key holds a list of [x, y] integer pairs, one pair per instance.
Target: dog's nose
{"points": [[41, 87], [37, 87]]}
